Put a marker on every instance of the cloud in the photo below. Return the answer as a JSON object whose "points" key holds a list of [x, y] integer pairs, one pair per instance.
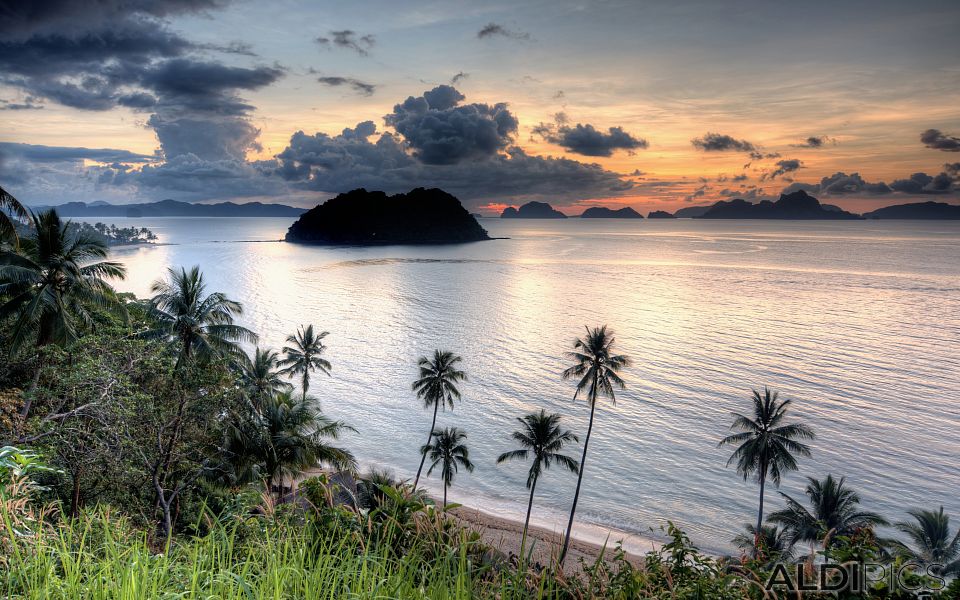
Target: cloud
{"points": [[358, 86], [586, 139], [843, 184], [492, 30], [442, 131], [716, 142], [348, 40], [815, 141], [458, 78], [29, 103], [783, 167], [35, 153], [921, 183], [936, 139]]}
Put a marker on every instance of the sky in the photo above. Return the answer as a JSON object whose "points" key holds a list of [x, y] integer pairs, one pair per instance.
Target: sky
{"points": [[651, 104]]}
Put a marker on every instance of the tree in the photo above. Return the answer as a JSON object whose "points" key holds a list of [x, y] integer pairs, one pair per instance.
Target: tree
{"points": [[53, 287], [596, 369], [198, 325], [437, 386], [302, 357], [769, 542], [287, 435], [541, 435], [834, 510], [450, 453], [10, 207], [260, 377], [765, 444], [929, 535]]}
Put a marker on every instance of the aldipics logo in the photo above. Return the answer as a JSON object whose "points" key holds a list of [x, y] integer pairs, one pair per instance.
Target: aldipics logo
{"points": [[856, 578]]}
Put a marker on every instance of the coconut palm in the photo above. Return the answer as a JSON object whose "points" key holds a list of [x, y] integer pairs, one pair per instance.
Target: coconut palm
{"points": [[437, 386], [834, 510], [540, 434], [53, 285], [449, 453], [929, 535], [766, 446], [10, 208], [302, 356], [596, 369], [770, 542], [259, 375], [198, 325], [286, 436]]}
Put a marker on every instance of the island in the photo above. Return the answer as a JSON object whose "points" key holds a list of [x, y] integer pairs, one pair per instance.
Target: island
{"points": [[927, 211], [532, 210], [362, 218], [175, 208], [692, 212], [602, 212], [798, 205], [660, 214]]}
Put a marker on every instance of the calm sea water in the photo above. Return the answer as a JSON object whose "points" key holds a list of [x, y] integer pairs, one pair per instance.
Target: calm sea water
{"points": [[858, 322]]}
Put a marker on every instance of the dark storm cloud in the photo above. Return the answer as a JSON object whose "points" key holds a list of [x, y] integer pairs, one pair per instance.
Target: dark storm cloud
{"points": [[717, 142], [783, 167], [936, 139], [586, 139], [492, 30], [206, 86], [441, 131], [37, 153], [921, 183], [361, 87], [348, 40], [843, 184], [814, 141], [349, 160]]}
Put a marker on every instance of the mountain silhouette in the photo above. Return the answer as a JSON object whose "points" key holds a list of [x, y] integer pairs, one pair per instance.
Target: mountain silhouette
{"points": [[798, 205], [532, 210], [602, 212], [917, 210]]}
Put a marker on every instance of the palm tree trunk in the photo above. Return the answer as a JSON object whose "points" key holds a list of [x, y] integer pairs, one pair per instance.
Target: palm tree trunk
{"points": [[306, 384], [444, 495], [576, 494], [756, 533], [526, 522], [423, 459]]}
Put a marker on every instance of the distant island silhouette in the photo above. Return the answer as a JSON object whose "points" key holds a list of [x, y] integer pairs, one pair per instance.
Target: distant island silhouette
{"points": [[602, 212], [692, 212], [359, 217], [798, 205], [660, 214], [175, 208], [917, 210], [532, 210]]}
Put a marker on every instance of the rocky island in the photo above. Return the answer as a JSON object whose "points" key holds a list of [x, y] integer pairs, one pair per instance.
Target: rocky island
{"points": [[532, 210], [917, 210], [359, 217], [660, 214], [798, 205], [602, 212]]}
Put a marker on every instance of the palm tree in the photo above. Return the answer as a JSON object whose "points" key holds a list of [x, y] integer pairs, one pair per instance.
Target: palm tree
{"points": [[448, 451], [932, 544], [260, 377], [834, 510], [286, 436], [770, 542], [199, 325], [303, 355], [437, 386], [766, 445], [10, 208], [597, 369], [540, 434]]}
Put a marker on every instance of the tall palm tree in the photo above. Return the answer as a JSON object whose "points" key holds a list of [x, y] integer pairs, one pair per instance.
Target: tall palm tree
{"points": [[260, 376], [199, 325], [302, 356], [541, 435], [287, 435], [437, 386], [765, 444], [932, 544], [770, 542], [596, 369], [834, 510], [10, 208], [450, 453]]}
